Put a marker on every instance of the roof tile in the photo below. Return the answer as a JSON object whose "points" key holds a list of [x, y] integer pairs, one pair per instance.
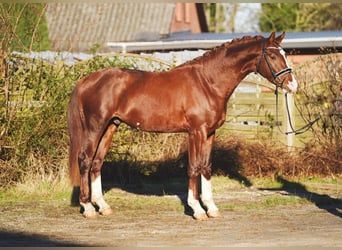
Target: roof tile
{"points": [[78, 26]]}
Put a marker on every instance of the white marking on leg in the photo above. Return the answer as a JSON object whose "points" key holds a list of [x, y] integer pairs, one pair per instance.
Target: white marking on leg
{"points": [[96, 189], [199, 212], [96, 195], [207, 197], [89, 210]]}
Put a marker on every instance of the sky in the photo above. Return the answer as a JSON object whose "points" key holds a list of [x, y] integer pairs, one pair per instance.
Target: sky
{"points": [[247, 16]]}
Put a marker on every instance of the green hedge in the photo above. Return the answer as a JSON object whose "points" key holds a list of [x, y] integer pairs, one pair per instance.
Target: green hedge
{"points": [[33, 99]]}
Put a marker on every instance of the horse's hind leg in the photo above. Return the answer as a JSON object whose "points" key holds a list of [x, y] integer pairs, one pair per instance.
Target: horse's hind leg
{"points": [[95, 173], [85, 162], [90, 167]]}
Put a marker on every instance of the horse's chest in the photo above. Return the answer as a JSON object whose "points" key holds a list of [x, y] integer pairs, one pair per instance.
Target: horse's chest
{"points": [[211, 118], [216, 120]]}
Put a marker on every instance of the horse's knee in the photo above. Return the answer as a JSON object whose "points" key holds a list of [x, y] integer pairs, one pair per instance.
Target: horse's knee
{"points": [[96, 168], [206, 171], [194, 171]]}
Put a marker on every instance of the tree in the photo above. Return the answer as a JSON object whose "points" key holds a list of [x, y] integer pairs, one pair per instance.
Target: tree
{"points": [[300, 17], [232, 17], [23, 27], [215, 17]]}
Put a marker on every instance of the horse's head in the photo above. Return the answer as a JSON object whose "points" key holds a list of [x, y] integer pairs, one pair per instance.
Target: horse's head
{"points": [[273, 64]]}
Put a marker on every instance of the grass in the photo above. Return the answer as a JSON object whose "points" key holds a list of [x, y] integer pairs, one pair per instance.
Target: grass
{"points": [[278, 200], [263, 203], [230, 194], [133, 202], [36, 190]]}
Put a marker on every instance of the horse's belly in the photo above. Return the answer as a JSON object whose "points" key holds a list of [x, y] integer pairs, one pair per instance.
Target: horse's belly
{"points": [[159, 113], [165, 124]]}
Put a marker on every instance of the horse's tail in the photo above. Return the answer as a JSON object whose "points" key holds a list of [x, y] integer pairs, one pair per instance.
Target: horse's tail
{"points": [[75, 130]]}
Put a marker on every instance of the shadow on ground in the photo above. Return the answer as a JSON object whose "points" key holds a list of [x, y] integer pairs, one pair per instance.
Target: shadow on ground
{"points": [[20, 239], [163, 178], [322, 201], [170, 178]]}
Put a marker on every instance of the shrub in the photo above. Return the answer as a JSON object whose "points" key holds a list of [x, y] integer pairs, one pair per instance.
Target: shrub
{"points": [[33, 102], [320, 95]]}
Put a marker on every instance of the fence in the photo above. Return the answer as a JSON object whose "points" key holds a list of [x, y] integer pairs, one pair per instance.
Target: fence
{"points": [[252, 112], [252, 108]]}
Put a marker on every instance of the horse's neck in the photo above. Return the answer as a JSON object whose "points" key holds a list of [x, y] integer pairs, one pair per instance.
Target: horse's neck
{"points": [[225, 69]]}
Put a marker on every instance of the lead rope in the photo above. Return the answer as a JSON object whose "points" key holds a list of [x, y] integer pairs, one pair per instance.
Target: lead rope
{"points": [[298, 131]]}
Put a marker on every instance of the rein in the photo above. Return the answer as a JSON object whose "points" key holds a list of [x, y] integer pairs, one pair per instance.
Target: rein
{"points": [[278, 84], [294, 131]]}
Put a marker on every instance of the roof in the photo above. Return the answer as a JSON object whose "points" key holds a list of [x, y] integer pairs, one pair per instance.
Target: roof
{"points": [[291, 40], [185, 40], [82, 25]]}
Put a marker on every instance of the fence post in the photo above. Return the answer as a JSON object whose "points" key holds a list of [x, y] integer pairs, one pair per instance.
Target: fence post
{"points": [[290, 102]]}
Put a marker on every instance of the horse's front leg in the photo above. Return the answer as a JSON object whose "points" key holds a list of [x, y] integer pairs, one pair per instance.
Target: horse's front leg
{"points": [[200, 147], [193, 199], [206, 189], [207, 197]]}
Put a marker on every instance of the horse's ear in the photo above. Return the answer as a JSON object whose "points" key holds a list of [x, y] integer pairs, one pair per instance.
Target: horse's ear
{"points": [[272, 37], [280, 38]]}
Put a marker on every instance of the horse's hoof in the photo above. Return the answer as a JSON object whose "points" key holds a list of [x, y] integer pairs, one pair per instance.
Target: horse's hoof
{"points": [[201, 216], [214, 214], [90, 214], [106, 211]]}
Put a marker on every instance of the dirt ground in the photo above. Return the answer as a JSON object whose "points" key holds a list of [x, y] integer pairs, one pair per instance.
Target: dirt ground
{"points": [[315, 222]]}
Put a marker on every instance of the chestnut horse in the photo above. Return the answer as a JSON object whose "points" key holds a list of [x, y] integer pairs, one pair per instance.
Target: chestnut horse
{"points": [[190, 98]]}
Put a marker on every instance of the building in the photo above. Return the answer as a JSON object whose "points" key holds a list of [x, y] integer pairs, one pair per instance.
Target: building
{"points": [[300, 46], [82, 26], [150, 27]]}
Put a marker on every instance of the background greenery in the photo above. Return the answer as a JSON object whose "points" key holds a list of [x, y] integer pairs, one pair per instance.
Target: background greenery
{"points": [[34, 95], [301, 16], [278, 16], [24, 27]]}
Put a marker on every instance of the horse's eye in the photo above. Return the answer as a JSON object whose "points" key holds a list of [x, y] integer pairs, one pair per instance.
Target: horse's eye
{"points": [[273, 57]]}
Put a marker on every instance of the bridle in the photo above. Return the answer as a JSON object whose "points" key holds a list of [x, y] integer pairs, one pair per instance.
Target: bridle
{"points": [[279, 84], [275, 75]]}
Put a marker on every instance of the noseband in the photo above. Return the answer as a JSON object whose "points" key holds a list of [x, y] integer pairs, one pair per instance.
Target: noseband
{"points": [[274, 74]]}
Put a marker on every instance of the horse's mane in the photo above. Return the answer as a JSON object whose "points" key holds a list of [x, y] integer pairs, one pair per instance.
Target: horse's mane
{"points": [[226, 45]]}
